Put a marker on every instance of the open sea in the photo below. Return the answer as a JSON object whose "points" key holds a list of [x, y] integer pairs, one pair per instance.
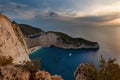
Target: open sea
{"points": [[64, 62]]}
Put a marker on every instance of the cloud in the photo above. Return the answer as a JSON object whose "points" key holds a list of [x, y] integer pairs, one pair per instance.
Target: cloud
{"points": [[97, 18], [26, 14], [9, 6], [32, 13], [70, 11], [18, 5], [16, 10]]}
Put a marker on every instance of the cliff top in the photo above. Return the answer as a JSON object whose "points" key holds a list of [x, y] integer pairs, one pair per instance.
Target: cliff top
{"points": [[11, 41], [29, 30], [68, 39]]}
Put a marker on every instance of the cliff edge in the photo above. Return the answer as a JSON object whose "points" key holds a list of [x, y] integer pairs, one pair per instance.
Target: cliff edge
{"points": [[12, 42], [37, 37], [13, 49]]}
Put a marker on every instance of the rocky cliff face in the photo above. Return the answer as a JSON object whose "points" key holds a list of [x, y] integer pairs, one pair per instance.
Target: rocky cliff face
{"points": [[12, 44], [45, 40], [60, 40], [37, 37], [11, 41]]}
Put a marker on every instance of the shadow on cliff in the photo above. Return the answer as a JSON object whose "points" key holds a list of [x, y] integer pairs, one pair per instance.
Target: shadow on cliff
{"points": [[85, 50]]}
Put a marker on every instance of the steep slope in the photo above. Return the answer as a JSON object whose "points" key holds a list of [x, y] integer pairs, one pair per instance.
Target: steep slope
{"points": [[12, 44], [11, 41], [17, 72], [67, 41], [28, 30], [57, 39]]}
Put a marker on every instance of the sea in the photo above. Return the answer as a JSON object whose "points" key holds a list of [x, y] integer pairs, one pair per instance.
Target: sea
{"points": [[64, 62]]}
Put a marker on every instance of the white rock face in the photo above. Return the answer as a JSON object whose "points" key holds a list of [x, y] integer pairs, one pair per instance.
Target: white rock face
{"points": [[52, 39], [10, 45], [47, 40]]}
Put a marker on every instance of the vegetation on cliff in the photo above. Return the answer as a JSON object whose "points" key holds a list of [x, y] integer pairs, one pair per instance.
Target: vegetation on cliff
{"points": [[75, 41], [58, 39], [27, 71], [108, 70], [29, 30]]}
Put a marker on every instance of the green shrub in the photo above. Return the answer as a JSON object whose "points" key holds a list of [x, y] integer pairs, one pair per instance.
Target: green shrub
{"points": [[108, 70], [29, 30], [32, 67]]}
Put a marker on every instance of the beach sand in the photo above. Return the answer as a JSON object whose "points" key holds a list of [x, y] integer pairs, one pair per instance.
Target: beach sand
{"points": [[33, 49]]}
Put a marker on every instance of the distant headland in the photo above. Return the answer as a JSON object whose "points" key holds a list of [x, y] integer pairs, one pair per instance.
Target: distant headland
{"points": [[16, 39], [37, 37]]}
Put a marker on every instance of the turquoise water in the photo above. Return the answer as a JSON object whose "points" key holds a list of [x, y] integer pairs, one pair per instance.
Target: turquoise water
{"points": [[64, 62], [58, 61]]}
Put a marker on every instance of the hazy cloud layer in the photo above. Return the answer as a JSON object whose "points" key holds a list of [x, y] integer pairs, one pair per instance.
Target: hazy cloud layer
{"points": [[102, 18], [70, 12]]}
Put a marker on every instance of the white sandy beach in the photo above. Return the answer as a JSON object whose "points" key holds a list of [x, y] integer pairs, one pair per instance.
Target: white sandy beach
{"points": [[33, 49]]}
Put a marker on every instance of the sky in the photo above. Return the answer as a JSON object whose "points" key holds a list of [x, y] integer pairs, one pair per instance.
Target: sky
{"points": [[64, 12], [78, 18]]}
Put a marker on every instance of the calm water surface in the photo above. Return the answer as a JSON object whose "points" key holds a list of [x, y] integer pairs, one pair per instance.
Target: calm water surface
{"points": [[64, 62]]}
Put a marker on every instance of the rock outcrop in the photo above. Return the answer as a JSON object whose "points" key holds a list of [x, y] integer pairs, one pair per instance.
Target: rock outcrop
{"points": [[60, 40], [16, 72], [13, 47], [37, 37], [86, 72], [12, 42]]}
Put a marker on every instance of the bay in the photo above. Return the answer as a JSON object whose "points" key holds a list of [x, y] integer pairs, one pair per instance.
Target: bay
{"points": [[64, 62]]}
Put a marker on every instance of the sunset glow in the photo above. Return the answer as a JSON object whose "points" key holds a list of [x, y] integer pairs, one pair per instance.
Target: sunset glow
{"points": [[113, 22], [44, 38], [75, 11]]}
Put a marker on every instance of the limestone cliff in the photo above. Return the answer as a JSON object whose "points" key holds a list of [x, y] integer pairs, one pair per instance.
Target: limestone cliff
{"points": [[12, 44], [61, 40], [37, 37], [11, 41]]}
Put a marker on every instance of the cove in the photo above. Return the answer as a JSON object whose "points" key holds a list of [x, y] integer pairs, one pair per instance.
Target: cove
{"points": [[64, 62]]}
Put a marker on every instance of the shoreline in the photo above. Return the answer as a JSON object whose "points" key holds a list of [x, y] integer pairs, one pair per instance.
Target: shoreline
{"points": [[33, 49]]}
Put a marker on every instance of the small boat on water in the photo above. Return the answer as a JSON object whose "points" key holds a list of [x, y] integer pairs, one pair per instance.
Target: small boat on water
{"points": [[70, 54]]}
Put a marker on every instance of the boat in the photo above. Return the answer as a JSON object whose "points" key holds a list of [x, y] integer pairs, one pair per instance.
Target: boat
{"points": [[70, 54]]}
